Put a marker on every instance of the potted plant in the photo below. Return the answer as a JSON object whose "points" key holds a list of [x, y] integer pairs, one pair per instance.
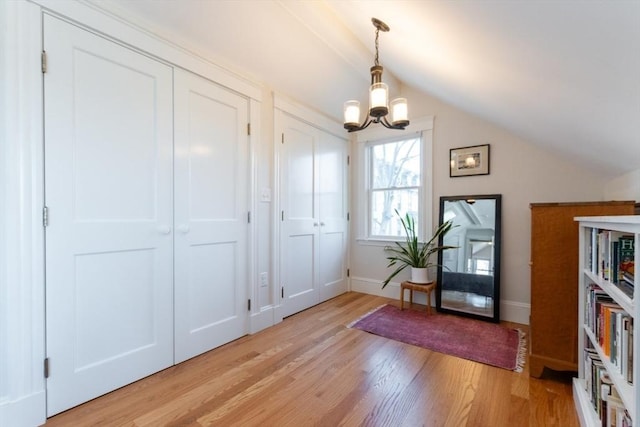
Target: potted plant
{"points": [[412, 253]]}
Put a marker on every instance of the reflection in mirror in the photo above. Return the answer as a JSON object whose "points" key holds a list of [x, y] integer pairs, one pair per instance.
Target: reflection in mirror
{"points": [[469, 276]]}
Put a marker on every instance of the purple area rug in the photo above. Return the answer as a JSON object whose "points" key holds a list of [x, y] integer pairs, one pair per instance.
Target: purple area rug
{"points": [[470, 339]]}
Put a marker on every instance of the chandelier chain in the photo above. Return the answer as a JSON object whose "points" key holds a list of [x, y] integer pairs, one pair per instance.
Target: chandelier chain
{"points": [[377, 35]]}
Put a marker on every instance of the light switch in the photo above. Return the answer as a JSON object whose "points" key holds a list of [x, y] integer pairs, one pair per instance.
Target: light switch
{"points": [[265, 195]]}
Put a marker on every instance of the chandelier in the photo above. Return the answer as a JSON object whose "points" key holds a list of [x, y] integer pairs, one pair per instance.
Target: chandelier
{"points": [[378, 99]]}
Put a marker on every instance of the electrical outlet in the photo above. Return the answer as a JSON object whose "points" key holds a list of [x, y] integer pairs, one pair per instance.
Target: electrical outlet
{"points": [[264, 280]]}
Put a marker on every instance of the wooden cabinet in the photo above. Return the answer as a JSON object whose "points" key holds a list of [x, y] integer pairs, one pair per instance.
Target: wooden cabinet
{"points": [[554, 281]]}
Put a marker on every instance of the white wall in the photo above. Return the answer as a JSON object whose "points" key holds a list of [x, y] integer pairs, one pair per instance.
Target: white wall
{"points": [[520, 171], [624, 187]]}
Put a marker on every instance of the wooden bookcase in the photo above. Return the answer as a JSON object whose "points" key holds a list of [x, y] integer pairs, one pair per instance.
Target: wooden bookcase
{"points": [[590, 276], [554, 281]]}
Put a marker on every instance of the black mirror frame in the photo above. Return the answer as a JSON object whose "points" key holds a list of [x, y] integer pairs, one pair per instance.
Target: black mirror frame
{"points": [[497, 245]]}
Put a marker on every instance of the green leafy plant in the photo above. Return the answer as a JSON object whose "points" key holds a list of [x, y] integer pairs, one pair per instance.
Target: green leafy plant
{"points": [[413, 253]]}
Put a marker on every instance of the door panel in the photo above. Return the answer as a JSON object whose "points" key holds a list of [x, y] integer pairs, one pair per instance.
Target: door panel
{"points": [[122, 280], [108, 183], [300, 279], [210, 215], [299, 232], [332, 159], [208, 304]]}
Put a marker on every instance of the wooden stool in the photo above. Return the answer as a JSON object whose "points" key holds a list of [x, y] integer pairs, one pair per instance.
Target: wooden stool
{"points": [[427, 288]]}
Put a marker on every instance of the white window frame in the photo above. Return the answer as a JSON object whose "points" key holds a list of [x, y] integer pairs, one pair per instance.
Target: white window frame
{"points": [[423, 128]]}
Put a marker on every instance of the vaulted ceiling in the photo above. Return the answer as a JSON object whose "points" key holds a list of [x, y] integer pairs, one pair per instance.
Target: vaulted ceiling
{"points": [[561, 74]]}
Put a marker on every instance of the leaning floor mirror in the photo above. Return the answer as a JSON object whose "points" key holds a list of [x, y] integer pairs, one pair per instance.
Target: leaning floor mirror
{"points": [[469, 274]]}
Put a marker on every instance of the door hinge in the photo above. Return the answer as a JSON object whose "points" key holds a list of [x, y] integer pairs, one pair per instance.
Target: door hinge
{"points": [[46, 367], [348, 216], [249, 129], [45, 216], [348, 273], [249, 304], [282, 139], [348, 160], [249, 217], [282, 216], [43, 60], [282, 291]]}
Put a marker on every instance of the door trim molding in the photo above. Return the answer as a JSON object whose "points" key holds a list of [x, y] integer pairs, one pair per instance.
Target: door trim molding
{"points": [[22, 396]]}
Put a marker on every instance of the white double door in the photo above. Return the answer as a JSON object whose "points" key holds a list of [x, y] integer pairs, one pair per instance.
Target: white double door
{"points": [[146, 243], [313, 201]]}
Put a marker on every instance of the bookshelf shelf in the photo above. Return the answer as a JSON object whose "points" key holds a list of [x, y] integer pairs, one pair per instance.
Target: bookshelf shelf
{"points": [[618, 296], [608, 321], [624, 388]]}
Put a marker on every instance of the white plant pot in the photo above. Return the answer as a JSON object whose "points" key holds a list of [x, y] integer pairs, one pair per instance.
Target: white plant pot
{"points": [[420, 275]]}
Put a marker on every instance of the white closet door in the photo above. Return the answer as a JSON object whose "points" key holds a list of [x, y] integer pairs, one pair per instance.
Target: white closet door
{"points": [[109, 243], [211, 209], [300, 224], [332, 203]]}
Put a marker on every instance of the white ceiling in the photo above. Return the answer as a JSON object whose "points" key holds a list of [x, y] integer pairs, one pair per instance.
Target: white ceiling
{"points": [[561, 74]]}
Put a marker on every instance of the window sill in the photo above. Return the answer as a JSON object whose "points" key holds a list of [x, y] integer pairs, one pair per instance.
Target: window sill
{"points": [[364, 241]]}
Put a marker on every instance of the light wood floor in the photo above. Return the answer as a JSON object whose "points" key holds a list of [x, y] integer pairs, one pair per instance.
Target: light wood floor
{"points": [[311, 370]]}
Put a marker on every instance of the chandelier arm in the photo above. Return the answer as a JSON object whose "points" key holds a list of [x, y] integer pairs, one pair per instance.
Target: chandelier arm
{"points": [[365, 124], [388, 125], [361, 127]]}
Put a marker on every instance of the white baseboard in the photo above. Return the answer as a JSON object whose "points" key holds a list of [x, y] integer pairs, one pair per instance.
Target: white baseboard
{"points": [[261, 320], [267, 317], [374, 287], [510, 311], [514, 311], [27, 411]]}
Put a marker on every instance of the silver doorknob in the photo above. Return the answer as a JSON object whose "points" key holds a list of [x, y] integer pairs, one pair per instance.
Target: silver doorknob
{"points": [[183, 228], [164, 229], [322, 224], [315, 224]]}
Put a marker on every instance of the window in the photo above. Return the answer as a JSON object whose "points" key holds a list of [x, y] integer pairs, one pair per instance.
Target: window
{"points": [[395, 183], [394, 171]]}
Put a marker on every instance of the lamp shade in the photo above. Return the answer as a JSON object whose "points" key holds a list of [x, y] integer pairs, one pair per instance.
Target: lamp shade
{"points": [[352, 113], [399, 112], [378, 100]]}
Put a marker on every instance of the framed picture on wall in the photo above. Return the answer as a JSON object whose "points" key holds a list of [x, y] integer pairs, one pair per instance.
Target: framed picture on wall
{"points": [[468, 161]]}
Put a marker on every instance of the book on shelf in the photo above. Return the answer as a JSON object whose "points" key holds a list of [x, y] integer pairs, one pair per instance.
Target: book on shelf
{"points": [[593, 250], [629, 370], [626, 255], [602, 392], [626, 286], [593, 379], [612, 258], [613, 412], [612, 328], [603, 254]]}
